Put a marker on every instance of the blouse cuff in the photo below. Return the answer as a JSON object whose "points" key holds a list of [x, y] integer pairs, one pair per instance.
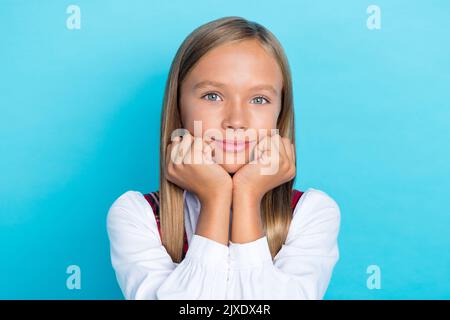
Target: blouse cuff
{"points": [[249, 254], [208, 252]]}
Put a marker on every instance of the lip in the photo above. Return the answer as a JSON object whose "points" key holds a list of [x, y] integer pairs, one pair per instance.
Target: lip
{"points": [[232, 146]]}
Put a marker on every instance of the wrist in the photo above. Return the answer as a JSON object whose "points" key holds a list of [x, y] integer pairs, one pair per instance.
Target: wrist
{"points": [[220, 199], [221, 193], [214, 218], [247, 195]]}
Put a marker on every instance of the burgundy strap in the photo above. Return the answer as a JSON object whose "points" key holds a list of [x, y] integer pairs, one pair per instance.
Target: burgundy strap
{"points": [[296, 195], [153, 199]]}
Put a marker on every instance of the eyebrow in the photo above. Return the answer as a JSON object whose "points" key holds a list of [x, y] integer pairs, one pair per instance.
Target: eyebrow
{"points": [[205, 83]]}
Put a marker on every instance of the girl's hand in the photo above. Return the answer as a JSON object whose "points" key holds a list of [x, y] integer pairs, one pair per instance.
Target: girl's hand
{"points": [[189, 165], [255, 179]]}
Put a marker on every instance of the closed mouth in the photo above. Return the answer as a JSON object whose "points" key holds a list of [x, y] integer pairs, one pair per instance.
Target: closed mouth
{"points": [[233, 146]]}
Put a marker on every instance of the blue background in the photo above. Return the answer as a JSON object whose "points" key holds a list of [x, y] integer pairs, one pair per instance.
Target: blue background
{"points": [[79, 125]]}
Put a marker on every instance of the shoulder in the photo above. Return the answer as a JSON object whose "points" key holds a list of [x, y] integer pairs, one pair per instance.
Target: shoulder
{"points": [[131, 209], [314, 199], [316, 210]]}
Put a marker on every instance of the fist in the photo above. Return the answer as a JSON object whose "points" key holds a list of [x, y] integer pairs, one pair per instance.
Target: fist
{"points": [[189, 164]]}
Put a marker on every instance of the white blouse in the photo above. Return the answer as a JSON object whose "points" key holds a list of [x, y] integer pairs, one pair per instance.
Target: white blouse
{"points": [[210, 270]]}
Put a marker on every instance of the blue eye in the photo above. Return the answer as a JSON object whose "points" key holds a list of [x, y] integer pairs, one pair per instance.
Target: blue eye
{"points": [[260, 100], [212, 97]]}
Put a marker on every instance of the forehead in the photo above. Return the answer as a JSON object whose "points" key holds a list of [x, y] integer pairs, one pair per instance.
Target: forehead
{"points": [[238, 64]]}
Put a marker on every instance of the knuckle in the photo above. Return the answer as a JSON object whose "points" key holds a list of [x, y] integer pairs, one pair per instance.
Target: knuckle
{"points": [[173, 169], [170, 170]]}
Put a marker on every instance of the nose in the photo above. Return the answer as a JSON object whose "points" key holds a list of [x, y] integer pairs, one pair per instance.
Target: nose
{"points": [[235, 117]]}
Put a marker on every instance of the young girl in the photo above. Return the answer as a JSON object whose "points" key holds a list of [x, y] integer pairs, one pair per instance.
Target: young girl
{"points": [[220, 227]]}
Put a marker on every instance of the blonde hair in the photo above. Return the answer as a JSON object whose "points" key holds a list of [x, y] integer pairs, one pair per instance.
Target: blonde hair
{"points": [[276, 212]]}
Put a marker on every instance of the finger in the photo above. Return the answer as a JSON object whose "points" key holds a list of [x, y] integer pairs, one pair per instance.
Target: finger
{"points": [[172, 151], [265, 158], [175, 147], [274, 132], [208, 138], [207, 153], [197, 150], [168, 154], [277, 146], [175, 152], [276, 142], [184, 147], [189, 153], [260, 148], [263, 144], [211, 144], [287, 149], [253, 149]]}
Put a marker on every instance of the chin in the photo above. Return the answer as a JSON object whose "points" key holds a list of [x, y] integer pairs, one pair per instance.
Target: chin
{"points": [[232, 168], [231, 162]]}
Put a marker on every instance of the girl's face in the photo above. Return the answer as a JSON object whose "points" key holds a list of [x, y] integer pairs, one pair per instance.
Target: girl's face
{"points": [[235, 90]]}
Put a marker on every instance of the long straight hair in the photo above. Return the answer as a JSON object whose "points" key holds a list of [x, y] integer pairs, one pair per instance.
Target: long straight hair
{"points": [[276, 212]]}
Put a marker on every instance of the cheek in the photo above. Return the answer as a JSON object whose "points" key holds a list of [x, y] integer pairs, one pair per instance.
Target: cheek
{"points": [[197, 120], [266, 119]]}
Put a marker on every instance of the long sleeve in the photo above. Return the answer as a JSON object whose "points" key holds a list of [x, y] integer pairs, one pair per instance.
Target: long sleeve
{"points": [[143, 267], [302, 268]]}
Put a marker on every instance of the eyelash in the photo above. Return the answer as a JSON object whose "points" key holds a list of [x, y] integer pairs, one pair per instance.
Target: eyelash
{"points": [[215, 93]]}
